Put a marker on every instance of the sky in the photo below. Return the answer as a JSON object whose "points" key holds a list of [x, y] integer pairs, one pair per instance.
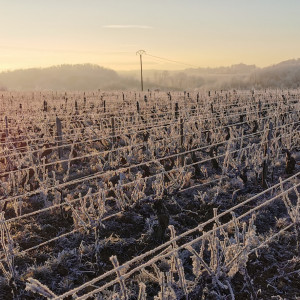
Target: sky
{"points": [[200, 33]]}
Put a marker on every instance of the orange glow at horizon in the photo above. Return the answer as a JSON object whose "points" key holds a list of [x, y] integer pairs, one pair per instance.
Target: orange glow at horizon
{"points": [[202, 34]]}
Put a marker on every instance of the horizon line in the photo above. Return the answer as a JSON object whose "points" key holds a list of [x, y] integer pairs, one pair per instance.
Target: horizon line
{"points": [[152, 69]]}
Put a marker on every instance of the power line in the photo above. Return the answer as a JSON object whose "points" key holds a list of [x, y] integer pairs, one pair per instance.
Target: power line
{"points": [[174, 61]]}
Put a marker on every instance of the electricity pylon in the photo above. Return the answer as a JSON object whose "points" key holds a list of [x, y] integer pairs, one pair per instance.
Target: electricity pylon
{"points": [[140, 53]]}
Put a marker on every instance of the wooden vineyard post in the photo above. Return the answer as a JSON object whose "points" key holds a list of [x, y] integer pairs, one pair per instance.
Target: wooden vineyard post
{"points": [[104, 106], [9, 162], [59, 137], [265, 168], [113, 130], [137, 118], [181, 141], [181, 132], [6, 127], [45, 106], [266, 157], [170, 100], [76, 106], [176, 111]]}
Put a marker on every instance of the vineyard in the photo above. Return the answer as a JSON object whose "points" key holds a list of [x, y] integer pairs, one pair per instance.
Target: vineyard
{"points": [[154, 195]]}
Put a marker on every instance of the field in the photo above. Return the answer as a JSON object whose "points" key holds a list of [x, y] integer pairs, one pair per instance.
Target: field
{"points": [[154, 195]]}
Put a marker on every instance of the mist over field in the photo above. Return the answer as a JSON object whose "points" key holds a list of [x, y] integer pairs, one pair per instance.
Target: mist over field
{"points": [[91, 77]]}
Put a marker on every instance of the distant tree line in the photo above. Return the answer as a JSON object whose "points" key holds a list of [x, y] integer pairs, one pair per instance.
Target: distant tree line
{"points": [[93, 77]]}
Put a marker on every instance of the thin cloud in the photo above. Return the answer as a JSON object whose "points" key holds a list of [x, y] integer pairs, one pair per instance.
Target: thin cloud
{"points": [[127, 26]]}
